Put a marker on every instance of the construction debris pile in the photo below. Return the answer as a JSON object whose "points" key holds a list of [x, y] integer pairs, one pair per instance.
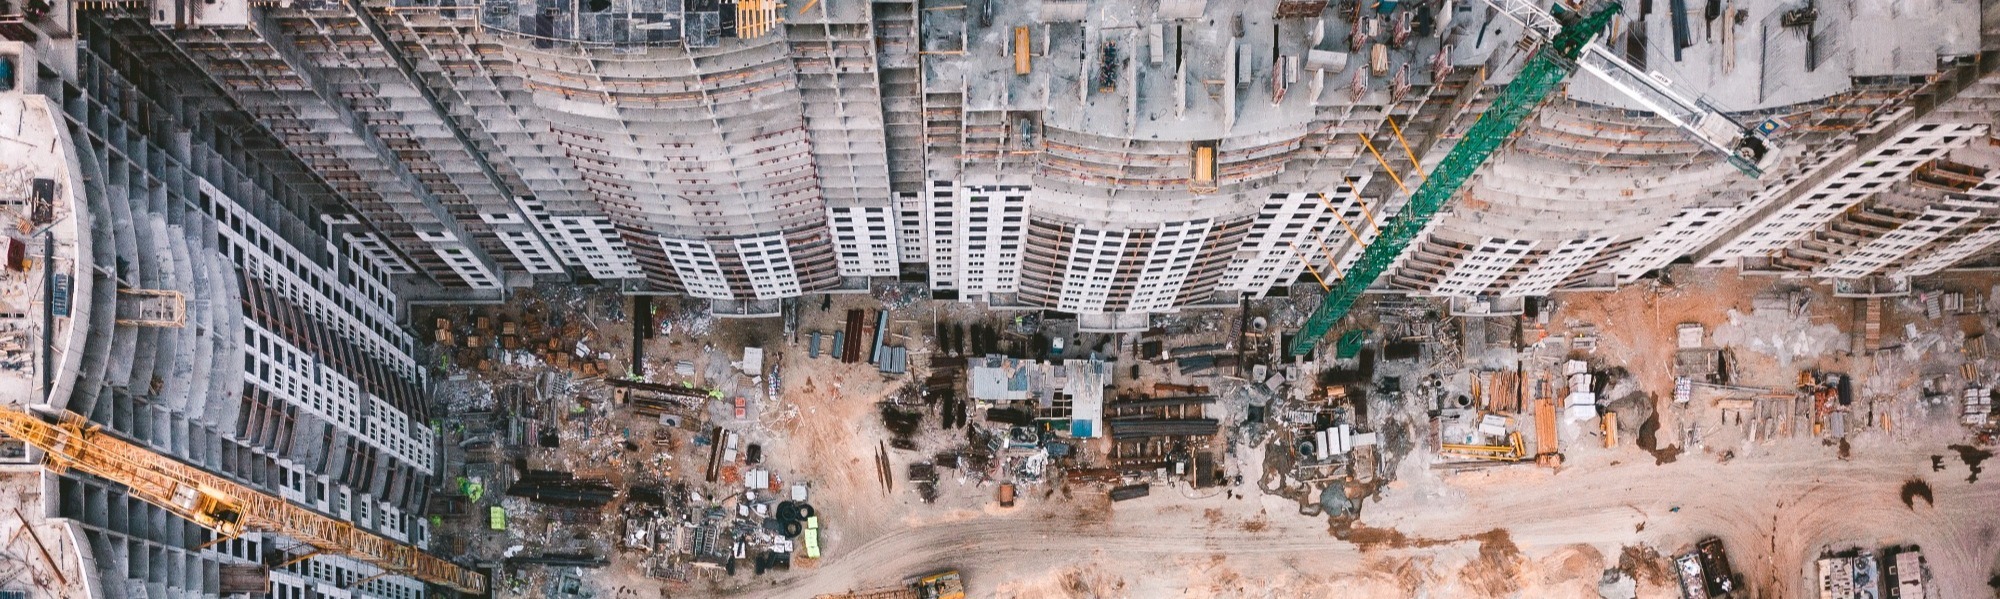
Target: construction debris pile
{"points": [[665, 471], [573, 461], [544, 326]]}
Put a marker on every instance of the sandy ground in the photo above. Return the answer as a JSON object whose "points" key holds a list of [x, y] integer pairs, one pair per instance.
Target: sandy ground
{"points": [[1513, 531], [1517, 531]]}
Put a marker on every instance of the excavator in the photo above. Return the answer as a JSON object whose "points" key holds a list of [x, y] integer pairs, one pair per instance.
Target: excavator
{"points": [[72, 442], [942, 585]]}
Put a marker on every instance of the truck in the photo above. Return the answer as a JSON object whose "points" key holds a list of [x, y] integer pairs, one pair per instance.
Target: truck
{"points": [[1720, 578], [1687, 569], [940, 585], [1705, 573]]}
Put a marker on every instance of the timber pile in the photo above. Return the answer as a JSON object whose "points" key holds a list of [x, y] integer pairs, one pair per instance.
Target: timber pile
{"points": [[850, 351]]}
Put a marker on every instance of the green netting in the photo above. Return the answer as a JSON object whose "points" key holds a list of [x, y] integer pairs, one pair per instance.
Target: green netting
{"points": [[1350, 344]]}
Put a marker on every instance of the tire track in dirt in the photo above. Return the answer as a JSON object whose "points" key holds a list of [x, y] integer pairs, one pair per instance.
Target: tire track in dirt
{"points": [[1774, 515]]}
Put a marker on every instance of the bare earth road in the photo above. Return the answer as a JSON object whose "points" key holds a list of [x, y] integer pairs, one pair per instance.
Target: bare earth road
{"points": [[1776, 510]]}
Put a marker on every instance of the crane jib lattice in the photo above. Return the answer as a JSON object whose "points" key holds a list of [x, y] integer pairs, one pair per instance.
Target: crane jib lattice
{"points": [[217, 503], [1551, 64]]}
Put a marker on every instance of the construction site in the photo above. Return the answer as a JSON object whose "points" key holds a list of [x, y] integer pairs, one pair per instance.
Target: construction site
{"points": [[1581, 448], [939, 299]]}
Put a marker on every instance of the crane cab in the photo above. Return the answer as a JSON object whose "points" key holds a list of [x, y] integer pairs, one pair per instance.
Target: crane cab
{"points": [[210, 508]]}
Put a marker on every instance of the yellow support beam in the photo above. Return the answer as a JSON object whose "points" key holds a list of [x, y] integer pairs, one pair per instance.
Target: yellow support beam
{"points": [[1332, 263], [1366, 210], [1022, 63], [1343, 221], [1385, 163], [754, 18], [1414, 165], [301, 557], [1309, 268], [1513, 451], [1203, 178]]}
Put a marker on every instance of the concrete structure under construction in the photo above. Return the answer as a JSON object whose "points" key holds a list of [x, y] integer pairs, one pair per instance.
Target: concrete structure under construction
{"points": [[221, 209], [175, 281], [1596, 192], [1096, 157], [1119, 157], [663, 143]]}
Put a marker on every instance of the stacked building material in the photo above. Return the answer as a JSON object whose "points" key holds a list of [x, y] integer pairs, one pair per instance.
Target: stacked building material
{"points": [[653, 399], [894, 360], [850, 341], [1139, 427], [561, 489], [1130, 492]]}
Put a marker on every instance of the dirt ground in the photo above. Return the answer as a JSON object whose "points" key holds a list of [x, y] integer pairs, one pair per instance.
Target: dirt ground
{"points": [[1559, 530], [1517, 531], [1775, 512], [1777, 502]]}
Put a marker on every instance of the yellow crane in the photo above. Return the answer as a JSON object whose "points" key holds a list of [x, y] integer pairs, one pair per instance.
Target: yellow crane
{"points": [[1513, 451], [942, 585], [221, 505]]}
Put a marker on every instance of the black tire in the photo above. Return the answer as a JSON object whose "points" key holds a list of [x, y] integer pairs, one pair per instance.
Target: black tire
{"points": [[804, 511], [794, 528], [788, 511]]}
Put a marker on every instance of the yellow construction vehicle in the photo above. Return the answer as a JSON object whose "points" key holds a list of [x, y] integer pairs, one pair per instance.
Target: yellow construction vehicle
{"points": [[1513, 451], [942, 585], [216, 503]]}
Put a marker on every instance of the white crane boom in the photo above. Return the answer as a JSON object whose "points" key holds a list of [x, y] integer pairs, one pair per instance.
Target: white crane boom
{"points": [[1746, 148]]}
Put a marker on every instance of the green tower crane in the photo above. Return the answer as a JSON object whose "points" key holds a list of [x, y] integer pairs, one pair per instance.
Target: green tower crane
{"points": [[1545, 71]]}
